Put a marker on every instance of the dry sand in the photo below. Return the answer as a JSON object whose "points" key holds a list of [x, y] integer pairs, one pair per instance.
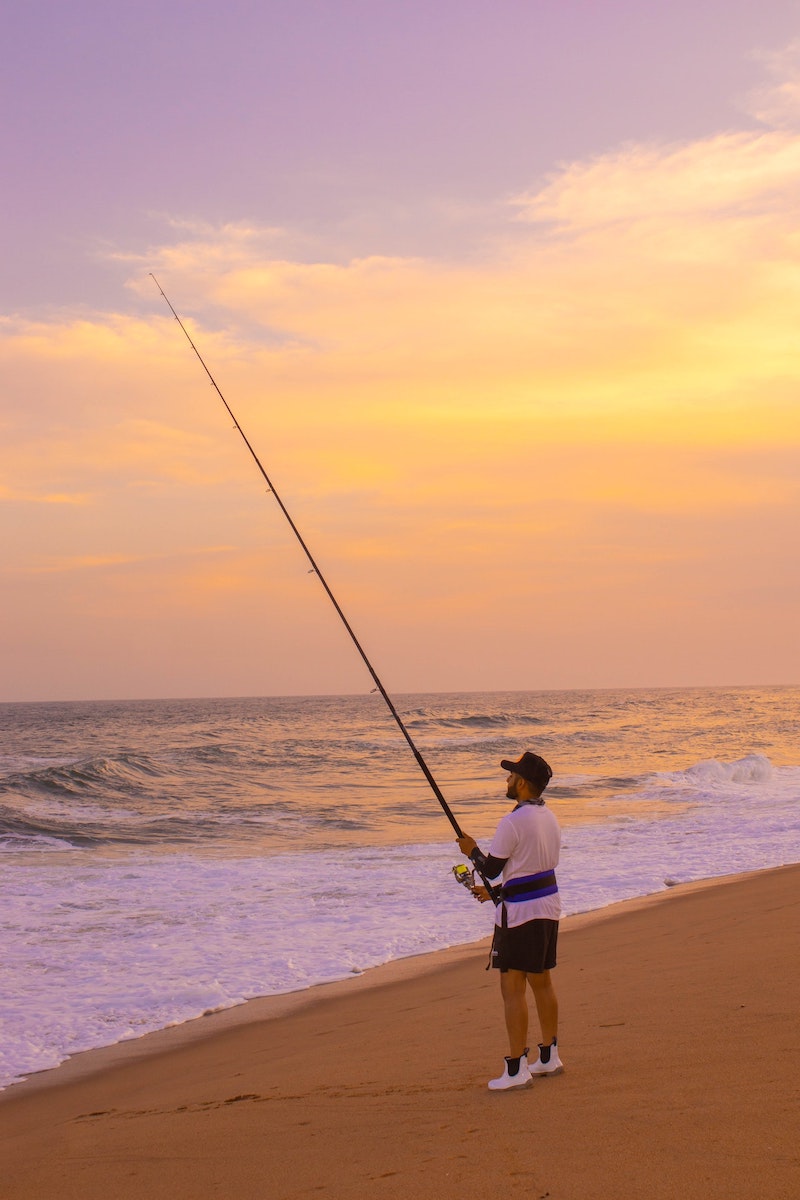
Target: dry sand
{"points": [[680, 1036]]}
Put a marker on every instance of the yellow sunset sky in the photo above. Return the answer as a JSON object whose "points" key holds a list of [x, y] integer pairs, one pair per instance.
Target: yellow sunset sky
{"points": [[563, 454]]}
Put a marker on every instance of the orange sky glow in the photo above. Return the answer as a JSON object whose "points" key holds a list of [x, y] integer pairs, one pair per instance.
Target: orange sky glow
{"points": [[567, 461]]}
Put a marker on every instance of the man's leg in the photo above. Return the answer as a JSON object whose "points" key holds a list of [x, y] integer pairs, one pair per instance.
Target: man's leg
{"points": [[546, 1004], [515, 1004]]}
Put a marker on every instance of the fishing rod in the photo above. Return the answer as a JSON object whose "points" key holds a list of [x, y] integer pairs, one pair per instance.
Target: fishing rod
{"points": [[315, 569]]}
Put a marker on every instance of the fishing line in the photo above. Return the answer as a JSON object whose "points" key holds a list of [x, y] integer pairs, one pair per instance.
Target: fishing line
{"points": [[315, 569]]}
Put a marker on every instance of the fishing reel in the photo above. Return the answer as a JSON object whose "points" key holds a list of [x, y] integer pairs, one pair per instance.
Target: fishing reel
{"points": [[464, 875], [467, 877]]}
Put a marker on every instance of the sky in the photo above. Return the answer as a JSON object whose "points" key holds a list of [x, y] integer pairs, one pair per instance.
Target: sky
{"points": [[504, 293]]}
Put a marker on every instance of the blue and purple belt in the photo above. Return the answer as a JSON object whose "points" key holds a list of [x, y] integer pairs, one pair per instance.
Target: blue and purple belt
{"points": [[529, 887]]}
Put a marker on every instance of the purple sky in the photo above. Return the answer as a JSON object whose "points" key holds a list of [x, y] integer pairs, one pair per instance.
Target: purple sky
{"points": [[366, 127]]}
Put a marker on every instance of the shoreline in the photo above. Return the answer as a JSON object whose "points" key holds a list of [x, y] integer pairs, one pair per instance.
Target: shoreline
{"points": [[679, 1034], [85, 1063]]}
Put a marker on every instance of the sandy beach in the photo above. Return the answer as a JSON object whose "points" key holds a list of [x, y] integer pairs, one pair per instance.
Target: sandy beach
{"points": [[679, 1032]]}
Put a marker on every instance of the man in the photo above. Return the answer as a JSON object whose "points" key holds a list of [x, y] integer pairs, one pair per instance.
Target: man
{"points": [[525, 851]]}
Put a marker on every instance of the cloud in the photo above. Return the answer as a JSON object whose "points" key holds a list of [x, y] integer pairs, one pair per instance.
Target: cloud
{"points": [[667, 290], [777, 102], [100, 562], [597, 424], [28, 497], [82, 562], [727, 175]]}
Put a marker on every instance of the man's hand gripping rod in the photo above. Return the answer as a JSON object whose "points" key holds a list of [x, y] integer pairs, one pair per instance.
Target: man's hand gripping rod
{"points": [[420, 760]]}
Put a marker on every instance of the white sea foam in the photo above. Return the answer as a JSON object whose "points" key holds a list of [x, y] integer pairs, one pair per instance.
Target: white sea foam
{"points": [[754, 768]]}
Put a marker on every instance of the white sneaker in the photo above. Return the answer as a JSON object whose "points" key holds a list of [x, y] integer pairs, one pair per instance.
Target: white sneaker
{"points": [[548, 1062], [506, 1081]]}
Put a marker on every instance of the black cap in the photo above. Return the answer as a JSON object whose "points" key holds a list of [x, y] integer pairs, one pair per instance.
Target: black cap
{"points": [[531, 767]]}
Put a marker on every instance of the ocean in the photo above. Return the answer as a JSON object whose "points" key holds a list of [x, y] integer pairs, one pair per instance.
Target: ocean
{"points": [[163, 859]]}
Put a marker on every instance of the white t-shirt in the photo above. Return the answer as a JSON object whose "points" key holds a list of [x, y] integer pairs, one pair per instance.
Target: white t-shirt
{"points": [[530, 838]]}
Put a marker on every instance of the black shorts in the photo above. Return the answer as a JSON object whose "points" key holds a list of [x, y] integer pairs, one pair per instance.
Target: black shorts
{"points": [[530, 947]]}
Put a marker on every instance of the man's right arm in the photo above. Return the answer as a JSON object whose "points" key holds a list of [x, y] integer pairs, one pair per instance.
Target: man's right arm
{"points": [[487, 864]]}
